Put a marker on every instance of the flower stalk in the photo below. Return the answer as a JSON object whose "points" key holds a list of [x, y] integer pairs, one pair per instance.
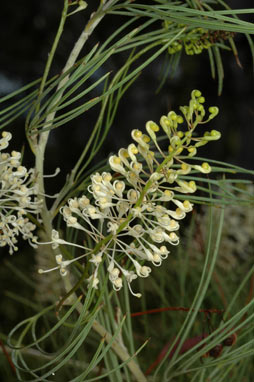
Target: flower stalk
{"points": [[39, 150]]}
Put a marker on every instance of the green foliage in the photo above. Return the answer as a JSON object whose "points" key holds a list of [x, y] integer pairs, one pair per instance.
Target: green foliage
{"points": [[68, 329]]}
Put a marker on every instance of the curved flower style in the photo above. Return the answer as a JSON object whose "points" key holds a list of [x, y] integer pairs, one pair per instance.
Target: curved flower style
{"points": [[133, 213], [18, 197]]}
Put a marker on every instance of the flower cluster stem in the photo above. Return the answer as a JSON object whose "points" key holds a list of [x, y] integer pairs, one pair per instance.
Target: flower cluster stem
{"points": [[40, 148], [43, 136]]}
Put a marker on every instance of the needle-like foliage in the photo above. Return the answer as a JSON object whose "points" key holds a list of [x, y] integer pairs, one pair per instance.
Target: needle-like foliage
{"points": [[155, 217]]}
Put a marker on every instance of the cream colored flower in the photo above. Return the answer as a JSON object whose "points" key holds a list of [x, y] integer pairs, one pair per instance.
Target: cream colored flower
{"points": [[18, 197], [133, 213]]}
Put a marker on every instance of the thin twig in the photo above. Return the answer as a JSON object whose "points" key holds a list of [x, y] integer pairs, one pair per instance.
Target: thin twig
{"points": [[6, 353], [175, 309]]}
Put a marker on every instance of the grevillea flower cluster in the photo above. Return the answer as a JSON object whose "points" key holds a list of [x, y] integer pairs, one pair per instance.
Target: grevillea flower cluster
{"points": [[197, 39], [132, 213], [18, 197]]}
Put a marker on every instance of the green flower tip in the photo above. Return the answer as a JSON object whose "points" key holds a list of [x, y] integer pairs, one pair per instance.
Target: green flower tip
{"points": [[213, 110], [195, 93]]}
